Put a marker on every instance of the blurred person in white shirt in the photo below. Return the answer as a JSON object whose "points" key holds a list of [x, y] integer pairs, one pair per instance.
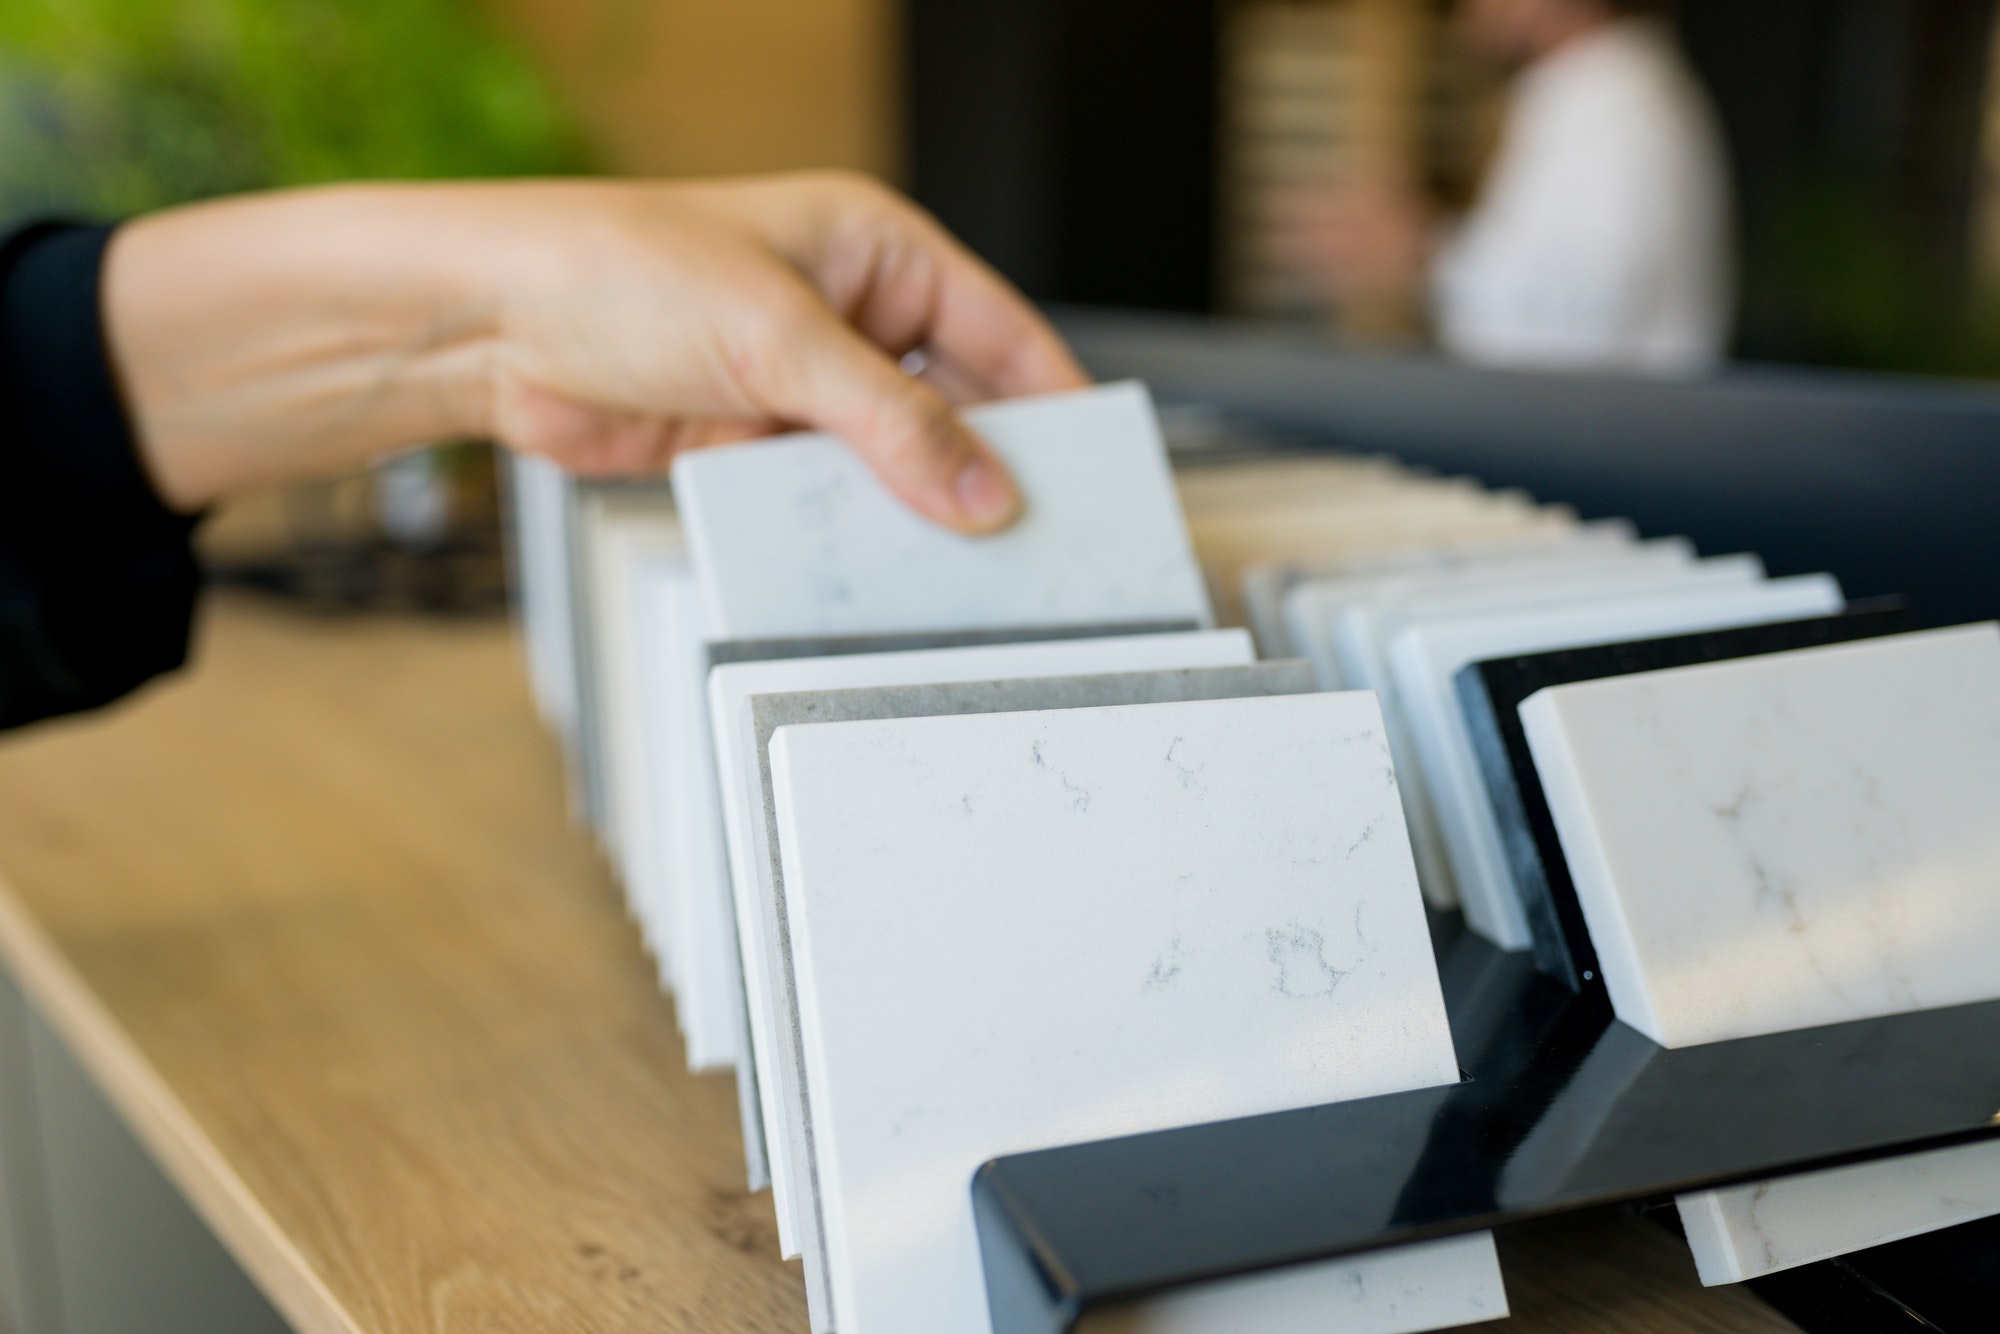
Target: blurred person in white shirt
{"points": [[1602, 236]]}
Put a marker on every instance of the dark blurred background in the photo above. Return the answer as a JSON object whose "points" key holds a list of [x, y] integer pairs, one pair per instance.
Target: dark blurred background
{"points": [[1114, 152], [1100, 151]]}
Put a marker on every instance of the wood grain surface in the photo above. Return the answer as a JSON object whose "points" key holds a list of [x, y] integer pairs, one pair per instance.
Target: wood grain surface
{"points": [[314, 916]]}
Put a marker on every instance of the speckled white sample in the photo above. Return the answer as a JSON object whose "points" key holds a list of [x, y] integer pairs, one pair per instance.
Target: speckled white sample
{"points": [[1748, 1231], [760, 717], [1019, 930], [1780, 842], [741, 786], [1423, 659], [795, 536]]}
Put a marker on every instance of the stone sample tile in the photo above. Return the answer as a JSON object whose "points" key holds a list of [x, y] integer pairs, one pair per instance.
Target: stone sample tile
{"points": [[739, 789], [1425, 656], [1748, 1231], [1781, 842], [1265, 585], [760, 716], [1018, 930], [699, 909], [1489, 700], [628, 544], [1784, 841], [795, 536], [1407, 1288]]}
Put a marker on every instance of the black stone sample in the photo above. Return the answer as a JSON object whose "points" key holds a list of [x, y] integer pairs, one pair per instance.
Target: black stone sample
{"points": [[1490, 694]]}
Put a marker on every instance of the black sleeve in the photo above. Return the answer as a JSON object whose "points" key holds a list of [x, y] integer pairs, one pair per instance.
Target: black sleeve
{"points": [[97, 576]]}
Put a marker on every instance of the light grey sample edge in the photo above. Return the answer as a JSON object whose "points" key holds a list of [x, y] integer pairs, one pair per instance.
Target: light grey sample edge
{"points": [[767, 713], [724, 651]]}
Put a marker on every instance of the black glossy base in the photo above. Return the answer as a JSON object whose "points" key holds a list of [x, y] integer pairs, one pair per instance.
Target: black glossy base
{"points": [[1947, 1281]]}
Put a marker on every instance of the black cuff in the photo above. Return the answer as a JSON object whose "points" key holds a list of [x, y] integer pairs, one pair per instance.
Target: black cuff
{"points": [[97, 575]]}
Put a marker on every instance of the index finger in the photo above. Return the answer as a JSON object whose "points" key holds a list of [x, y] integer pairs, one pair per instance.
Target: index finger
{"points": [[983, 326]]}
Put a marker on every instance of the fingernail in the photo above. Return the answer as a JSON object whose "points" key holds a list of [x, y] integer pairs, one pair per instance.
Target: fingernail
{"points": [[985, 495]]}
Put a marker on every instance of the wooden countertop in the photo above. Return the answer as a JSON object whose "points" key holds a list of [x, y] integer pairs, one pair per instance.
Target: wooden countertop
{"points": [[314, 917]]}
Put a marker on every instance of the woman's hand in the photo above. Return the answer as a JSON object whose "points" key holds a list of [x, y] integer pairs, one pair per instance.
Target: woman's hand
{"points": [[604, 325]]}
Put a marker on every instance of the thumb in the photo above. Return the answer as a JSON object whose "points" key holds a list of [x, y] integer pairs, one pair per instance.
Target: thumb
{"points": [[831, 378]]}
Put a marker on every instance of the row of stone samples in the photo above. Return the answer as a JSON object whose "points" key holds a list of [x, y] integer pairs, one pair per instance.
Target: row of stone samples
{"points": [[1734, 804], [1405, 629], [1778, 831], [952, 848], [904, 989]]}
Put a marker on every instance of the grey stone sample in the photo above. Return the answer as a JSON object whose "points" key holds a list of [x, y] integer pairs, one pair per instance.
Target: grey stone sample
{"points": [[723, 651]]}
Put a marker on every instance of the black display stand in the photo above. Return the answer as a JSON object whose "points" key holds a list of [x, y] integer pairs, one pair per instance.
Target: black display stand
{"points": [[1887, 483]]}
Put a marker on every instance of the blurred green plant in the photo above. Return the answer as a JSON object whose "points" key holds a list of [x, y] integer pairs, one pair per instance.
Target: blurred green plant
{"points": [[111, 107]]}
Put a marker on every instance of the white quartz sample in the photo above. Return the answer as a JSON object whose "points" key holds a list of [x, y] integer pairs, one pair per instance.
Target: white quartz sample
{"points": [[741, 785], [623, 533], [658, 584], [1312, 608], [538, 502], [1778, 842], [1382, 1293], [763, 714], [1363, 626], [1424, 658], [698, 928], [795, 536], [1019, 930], [1748, 1231], [1781, 842]]}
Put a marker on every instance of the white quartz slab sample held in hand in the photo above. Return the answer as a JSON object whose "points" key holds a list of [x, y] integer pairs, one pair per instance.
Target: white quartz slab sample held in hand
{"points": [[1782, 842], [795, 536], [741, 788], [1020, 930], [1424, 658]]}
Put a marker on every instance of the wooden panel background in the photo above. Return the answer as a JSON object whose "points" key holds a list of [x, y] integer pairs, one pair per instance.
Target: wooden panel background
{"points": [[697, 87]]}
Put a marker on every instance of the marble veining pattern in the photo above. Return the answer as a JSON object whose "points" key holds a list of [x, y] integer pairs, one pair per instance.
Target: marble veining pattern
{"points": [[795, 536], [765, 713], [1781, 842], [1018, 930], [1778, 842]]}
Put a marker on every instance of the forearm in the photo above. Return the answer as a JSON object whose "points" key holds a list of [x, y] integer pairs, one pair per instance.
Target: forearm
{"points": [[271, 338], [606, 325]]}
